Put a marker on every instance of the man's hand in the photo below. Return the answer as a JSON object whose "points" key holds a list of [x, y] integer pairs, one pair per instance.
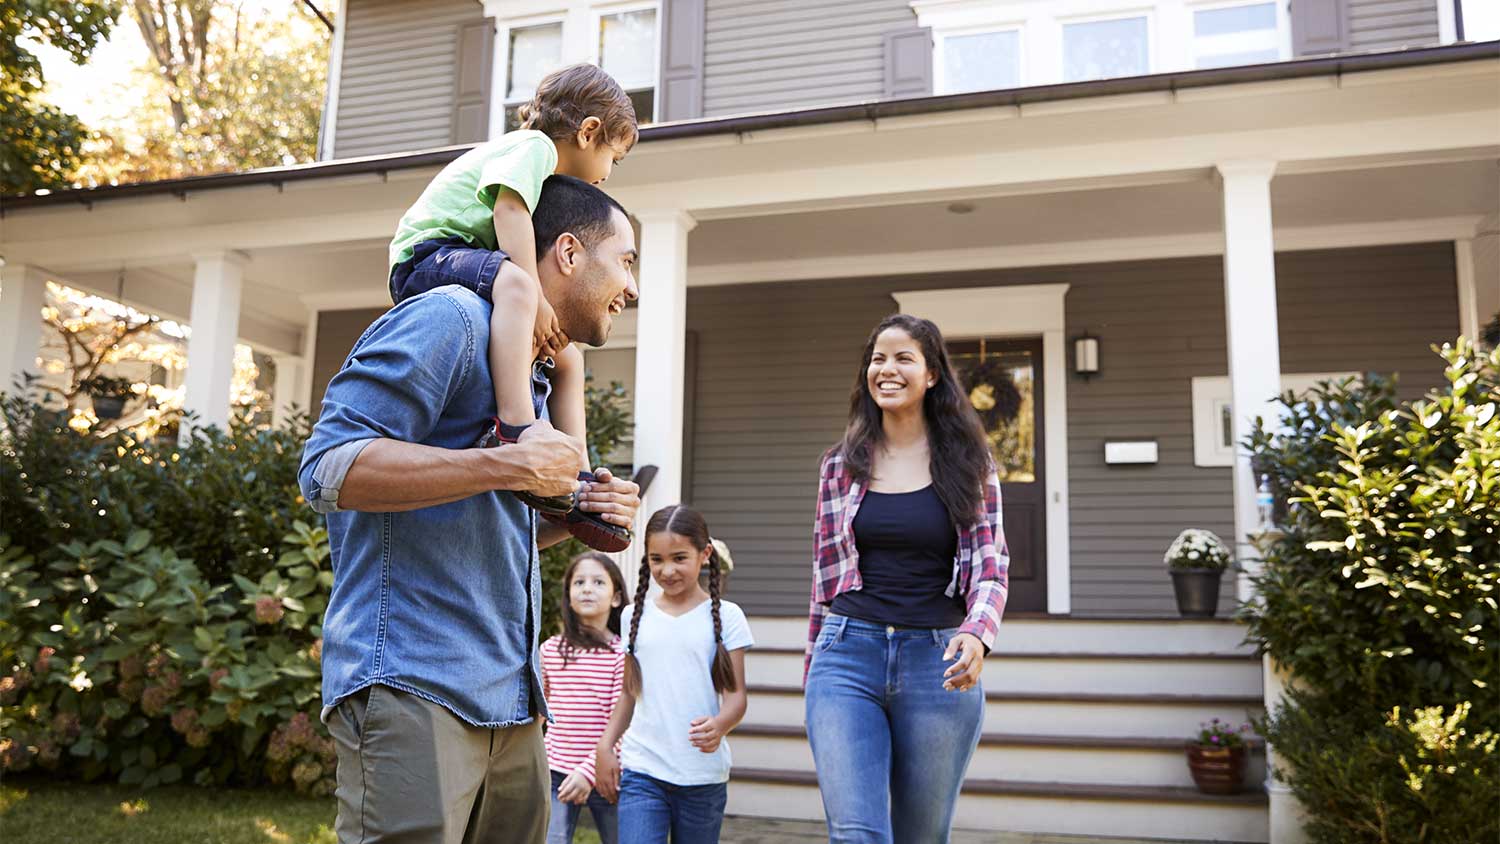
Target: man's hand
{"points": [[615, 501], [552, 459], [574, 789]]}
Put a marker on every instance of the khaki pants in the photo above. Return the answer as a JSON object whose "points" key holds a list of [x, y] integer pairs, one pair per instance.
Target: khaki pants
{"points": [[411, 772]]}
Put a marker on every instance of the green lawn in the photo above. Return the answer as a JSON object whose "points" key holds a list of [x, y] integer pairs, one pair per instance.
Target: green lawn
{"points": [[41, 812]]}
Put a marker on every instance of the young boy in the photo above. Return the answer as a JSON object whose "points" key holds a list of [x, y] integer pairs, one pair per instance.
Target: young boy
{"points": [[472, 227]]}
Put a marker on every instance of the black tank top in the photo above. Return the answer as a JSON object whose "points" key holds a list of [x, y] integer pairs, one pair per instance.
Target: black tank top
{"points": [[906, 546]]}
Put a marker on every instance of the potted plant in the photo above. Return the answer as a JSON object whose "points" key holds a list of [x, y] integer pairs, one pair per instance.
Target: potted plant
{"points": [[1216, 758], [1197, 559], [108, 395]]}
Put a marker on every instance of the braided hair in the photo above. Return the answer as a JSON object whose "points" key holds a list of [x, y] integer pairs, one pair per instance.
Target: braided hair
{"points": [[687, 523]]}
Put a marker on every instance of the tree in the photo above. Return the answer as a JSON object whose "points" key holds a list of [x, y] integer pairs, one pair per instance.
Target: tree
{"points": [[40, 145], [225, 90]]}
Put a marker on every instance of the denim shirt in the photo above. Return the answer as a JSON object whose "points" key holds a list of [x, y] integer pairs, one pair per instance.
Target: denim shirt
{"points": [[440, 602]]}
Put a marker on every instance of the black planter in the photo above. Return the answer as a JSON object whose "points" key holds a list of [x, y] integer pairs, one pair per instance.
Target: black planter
{"points": [[108, 407], [1197, 591]]}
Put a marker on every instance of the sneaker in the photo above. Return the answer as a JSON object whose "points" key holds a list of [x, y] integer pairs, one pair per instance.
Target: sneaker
{"points": [[499, 434], [590, 528]]}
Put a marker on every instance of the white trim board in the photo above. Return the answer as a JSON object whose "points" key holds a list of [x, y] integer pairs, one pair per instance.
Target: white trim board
{"points": [[1021, 311], [1097, 251]]}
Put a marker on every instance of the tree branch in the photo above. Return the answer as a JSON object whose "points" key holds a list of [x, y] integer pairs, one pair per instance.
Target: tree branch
{"points": [[322, 17]]}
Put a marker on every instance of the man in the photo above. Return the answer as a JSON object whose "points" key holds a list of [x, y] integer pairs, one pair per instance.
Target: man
{"points": [[430, 682]]}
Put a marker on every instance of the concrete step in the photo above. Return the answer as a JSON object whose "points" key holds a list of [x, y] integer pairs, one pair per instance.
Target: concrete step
{"points": [[1033, 633], [1020, 758], [1031, 807], [1044, 713], [1066, 673]]}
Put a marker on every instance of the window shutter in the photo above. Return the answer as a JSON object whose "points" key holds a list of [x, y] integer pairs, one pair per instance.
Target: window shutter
{"points": [[680, 92], [471, 99], [908, 64], [1319, 27]]}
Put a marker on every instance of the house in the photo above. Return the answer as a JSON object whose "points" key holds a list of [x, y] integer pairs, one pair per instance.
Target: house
{"points": [[1226, 197]]}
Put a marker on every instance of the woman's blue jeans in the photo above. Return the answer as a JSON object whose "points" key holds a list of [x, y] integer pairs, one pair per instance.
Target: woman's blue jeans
{"points": [[890, 743], [650, 809]]}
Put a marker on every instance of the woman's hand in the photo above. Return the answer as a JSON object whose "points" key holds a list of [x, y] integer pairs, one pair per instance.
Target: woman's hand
{"points": [[607, 773], [574, 789], [964, 673], [705, 734]]}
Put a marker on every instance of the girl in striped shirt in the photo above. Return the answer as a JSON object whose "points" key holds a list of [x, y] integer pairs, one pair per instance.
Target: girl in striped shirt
{"points": [[583, 670]]}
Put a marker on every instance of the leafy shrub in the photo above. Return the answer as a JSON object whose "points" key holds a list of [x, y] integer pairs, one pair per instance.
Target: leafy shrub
{"points": [[1382, 595]]}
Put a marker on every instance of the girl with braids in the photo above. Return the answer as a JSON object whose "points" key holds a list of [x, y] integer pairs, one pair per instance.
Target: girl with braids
{"points": [[909, 583], [684, 691], [583, 671]]}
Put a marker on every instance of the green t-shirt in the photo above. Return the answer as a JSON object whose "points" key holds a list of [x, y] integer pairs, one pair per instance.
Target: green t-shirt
{"points": [[460, 200]]}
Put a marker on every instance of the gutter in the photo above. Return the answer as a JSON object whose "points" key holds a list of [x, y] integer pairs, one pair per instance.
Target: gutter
{"points": [[384, 164]]}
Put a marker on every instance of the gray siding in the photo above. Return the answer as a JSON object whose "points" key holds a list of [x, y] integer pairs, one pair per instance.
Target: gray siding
{"points": [[775, 365], [1392, 24], [772, 55], [398, 85]]}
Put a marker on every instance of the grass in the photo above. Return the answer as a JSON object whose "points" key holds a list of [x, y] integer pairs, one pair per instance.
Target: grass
{"points": [[43, 812]]}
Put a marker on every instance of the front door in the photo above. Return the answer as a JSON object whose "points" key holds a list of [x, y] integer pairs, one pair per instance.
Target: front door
{"points": [[1004, 380]]}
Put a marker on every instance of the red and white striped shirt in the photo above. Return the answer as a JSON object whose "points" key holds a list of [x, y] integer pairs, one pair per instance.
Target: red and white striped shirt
{"points": [[581, 696]]}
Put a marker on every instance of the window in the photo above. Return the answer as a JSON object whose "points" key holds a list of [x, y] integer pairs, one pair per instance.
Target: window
{"points": [[979, 61], [1235, 35], [534, 52], [1213, 412], [627, 51], [1106, 49]]}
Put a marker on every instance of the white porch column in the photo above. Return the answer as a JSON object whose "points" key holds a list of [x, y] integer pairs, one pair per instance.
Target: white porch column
{"points": [[661, 330], [287, 394], [215, 321], [21, 302], [1254, 382]]}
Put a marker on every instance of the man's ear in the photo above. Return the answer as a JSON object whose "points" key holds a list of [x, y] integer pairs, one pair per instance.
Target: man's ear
{"points": [[568, 252]]}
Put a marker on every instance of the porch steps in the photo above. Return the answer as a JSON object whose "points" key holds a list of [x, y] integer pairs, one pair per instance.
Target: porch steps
{"points": [[1084, 726]]}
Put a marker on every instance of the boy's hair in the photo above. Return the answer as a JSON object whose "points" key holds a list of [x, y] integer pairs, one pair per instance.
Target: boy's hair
{"points": [[572, 205], [575, 636], [565, 97], [687, 523]]}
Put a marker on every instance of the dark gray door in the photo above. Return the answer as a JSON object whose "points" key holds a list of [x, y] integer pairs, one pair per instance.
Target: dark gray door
{"points": [[1004, 380]]}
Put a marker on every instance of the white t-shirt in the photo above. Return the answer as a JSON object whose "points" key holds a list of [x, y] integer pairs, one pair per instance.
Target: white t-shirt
{"points": [[676, 655]]}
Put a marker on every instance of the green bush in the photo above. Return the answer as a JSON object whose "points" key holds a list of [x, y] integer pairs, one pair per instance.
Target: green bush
{"points": [[1382, 595], [161, 606]]}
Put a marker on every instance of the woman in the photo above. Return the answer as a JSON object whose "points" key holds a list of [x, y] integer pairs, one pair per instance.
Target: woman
{"points": [[909, 584]]}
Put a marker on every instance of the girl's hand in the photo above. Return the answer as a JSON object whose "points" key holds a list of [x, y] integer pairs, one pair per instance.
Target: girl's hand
{"points": [[705, 734], [607, 773], [963, 674], [575, 789]]}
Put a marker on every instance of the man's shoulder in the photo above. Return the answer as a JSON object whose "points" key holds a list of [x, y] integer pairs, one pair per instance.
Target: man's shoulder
{"points": [[441, 305]]}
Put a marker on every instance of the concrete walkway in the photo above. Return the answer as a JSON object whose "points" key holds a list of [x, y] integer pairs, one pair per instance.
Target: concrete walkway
{"points": [[762, 831]]}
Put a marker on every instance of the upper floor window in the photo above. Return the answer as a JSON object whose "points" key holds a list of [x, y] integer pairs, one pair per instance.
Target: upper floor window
{"points": [[540, 36], [1103, 49], [978, 61], [1233, 35]]}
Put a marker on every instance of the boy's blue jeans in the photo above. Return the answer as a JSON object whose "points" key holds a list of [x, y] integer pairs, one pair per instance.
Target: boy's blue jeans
{"points": [[435, 263], [565, 816], [650, 809], [890, 743]]}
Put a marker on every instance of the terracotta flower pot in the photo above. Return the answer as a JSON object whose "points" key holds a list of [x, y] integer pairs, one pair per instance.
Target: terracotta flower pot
{"points": [[1217, 770]]}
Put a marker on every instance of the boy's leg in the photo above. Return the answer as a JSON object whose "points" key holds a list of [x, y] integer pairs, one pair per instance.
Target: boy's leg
{"points": [[514, 803], [515, 296], [698, 812], [645, 809], [409, 770]]}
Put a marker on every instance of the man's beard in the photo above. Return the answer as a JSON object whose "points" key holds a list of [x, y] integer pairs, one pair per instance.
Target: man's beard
{"points": [[585, 318]]}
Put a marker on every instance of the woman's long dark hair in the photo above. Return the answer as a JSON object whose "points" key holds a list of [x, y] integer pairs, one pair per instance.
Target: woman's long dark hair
{"points": [[687, 523], [576, 636], [960, 452]]}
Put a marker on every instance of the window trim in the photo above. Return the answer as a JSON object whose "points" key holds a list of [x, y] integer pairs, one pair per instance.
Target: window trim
{"points": [[580, 27]]}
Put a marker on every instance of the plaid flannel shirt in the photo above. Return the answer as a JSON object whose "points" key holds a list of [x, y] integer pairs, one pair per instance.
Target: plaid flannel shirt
{"points": [[980, 567]]}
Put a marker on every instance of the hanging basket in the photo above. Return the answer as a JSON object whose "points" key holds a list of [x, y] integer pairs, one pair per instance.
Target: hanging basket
{"points": [[108, 408]]}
